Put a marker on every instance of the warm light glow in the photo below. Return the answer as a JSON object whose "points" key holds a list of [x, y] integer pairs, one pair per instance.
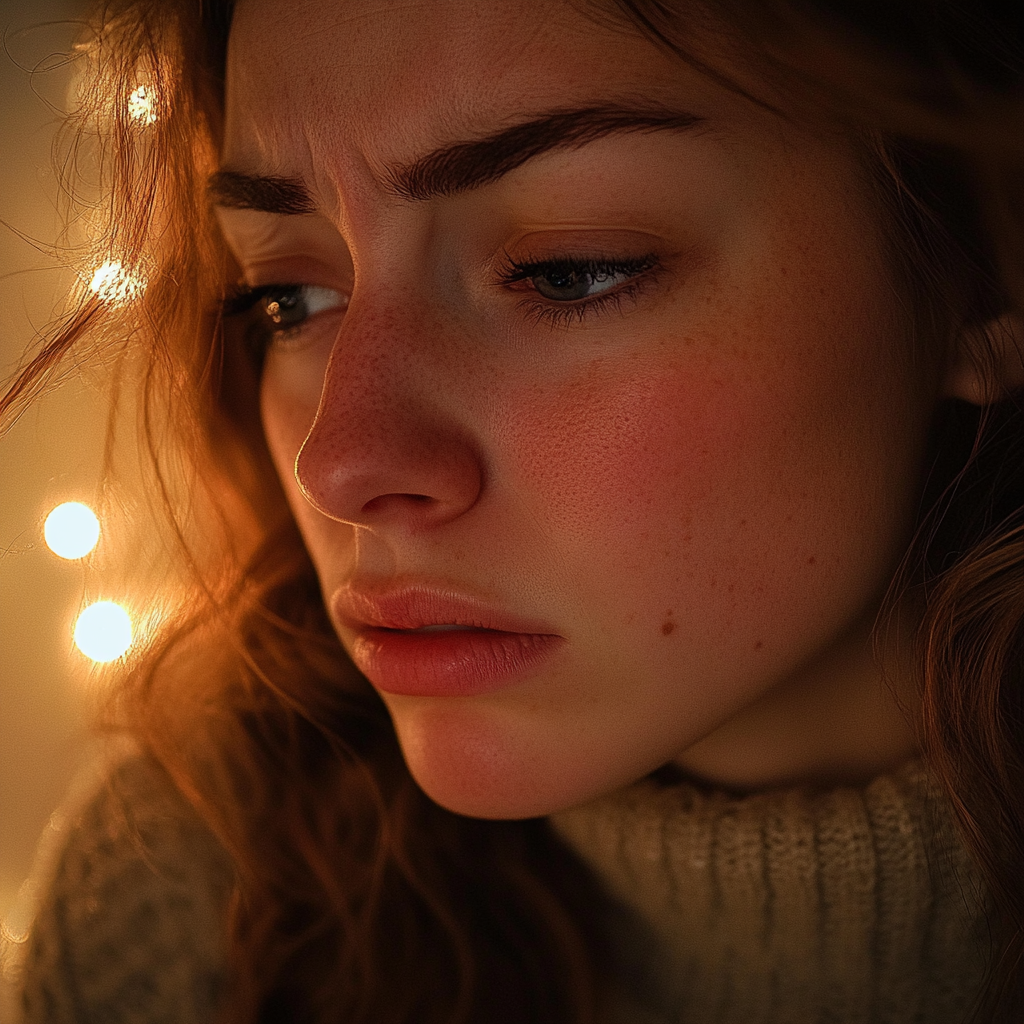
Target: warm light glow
{"points": [[113, 283], [142, 105], [17, 925], [71, 530], [103, 631]]}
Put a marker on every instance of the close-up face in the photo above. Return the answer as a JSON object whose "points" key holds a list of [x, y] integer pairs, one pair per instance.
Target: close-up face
{"points": [[587, 380]]}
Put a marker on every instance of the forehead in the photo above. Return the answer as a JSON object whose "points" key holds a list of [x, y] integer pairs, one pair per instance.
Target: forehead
{"points": [[389, 80]]}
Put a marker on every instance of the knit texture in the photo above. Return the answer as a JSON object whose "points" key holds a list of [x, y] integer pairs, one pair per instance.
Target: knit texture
{"points": [[852, 905], [129, 930]]}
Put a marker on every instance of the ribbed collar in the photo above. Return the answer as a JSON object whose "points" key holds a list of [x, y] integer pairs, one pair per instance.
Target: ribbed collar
{"points": [[855, 904]]}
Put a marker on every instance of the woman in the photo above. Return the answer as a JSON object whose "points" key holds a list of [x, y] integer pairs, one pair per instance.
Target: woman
{"points": [[608, 415]]}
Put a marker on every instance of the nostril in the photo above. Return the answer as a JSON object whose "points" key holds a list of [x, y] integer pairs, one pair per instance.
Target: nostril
{"points": [[396, 469], [382, 501]]}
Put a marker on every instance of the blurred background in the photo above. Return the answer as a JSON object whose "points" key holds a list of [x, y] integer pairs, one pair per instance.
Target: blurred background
{"points": [[53, 454]]}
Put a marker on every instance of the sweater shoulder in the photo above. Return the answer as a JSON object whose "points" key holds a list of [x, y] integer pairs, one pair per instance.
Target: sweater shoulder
{"points": [[129, 926]]}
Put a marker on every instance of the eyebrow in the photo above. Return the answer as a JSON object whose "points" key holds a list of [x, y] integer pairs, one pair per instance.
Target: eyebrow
{"points": [[273, 194], [462, 166]]}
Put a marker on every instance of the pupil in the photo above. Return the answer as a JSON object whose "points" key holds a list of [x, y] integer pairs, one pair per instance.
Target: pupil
{"points": [[564, 284]]}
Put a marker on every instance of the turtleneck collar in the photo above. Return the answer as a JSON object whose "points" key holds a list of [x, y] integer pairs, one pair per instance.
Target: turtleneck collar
{"points": [[854, 904]]}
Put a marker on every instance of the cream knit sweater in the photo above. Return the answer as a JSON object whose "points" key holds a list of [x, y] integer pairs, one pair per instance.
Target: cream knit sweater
{"points": [[850, 906]]}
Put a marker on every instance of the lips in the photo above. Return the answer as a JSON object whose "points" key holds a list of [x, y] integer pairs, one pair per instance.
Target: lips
{"points": [[422, 641]]}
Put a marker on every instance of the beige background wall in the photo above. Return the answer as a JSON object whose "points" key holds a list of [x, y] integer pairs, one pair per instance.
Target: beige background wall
{"points": [[53, 454]]}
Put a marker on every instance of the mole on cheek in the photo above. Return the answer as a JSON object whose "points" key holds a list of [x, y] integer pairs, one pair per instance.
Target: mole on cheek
{"points": [[668, 625]]}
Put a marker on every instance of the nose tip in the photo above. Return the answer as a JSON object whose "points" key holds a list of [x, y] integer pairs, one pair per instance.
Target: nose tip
{"points": [[407, 474]]}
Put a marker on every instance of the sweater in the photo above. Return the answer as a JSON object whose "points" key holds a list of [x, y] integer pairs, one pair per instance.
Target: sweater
{"points": [[791, 907], [128, 924], [856, 905]]}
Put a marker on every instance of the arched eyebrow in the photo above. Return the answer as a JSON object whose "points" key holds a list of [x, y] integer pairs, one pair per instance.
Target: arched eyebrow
{"points": [[462, 166]]}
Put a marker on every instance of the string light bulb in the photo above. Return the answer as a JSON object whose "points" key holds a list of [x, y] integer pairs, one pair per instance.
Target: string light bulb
{"points": [[71, 530], [103, 631], [115, 284], [142, 105]]}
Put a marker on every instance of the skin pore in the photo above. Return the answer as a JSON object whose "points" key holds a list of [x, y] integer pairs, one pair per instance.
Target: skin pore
{"points": [[700, 475]]}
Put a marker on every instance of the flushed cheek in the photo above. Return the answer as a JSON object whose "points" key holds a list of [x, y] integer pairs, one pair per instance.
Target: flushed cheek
{"points": [[693, 488]]}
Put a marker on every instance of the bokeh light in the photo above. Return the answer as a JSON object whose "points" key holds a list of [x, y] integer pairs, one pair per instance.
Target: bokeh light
{"points": [[71, 530], [103, 631], [114, 283], [142, 105]]}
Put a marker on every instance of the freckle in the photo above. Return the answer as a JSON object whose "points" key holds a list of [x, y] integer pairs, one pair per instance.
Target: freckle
{"points": [[667, 626], [758, 645], [812, 560]]}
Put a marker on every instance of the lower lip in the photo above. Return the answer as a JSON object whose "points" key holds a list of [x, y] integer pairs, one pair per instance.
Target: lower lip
{"points": [[448, 663]]}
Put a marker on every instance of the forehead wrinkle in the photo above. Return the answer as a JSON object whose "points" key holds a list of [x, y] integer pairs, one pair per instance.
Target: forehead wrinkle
{"points": [[374, 137], [470, 158]]}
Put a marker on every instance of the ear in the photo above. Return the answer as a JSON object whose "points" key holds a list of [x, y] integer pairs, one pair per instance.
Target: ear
{"points": [[987, 362]]}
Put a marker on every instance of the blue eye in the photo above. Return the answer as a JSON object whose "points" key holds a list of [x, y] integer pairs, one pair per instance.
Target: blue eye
{"points": [[575, 288], [569, 283]]}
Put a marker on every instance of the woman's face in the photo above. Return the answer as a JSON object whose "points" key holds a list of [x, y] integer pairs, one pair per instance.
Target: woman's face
{"points": [[591, 361]]}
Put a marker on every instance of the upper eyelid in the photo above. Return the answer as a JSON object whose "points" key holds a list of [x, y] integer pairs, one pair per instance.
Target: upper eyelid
{"points": [[269, 253], [512, 271]]}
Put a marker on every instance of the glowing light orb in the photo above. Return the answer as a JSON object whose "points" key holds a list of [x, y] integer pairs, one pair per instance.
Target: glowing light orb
{"points": [[142, 105], [103, 631], [71, 530], [114, 283]]}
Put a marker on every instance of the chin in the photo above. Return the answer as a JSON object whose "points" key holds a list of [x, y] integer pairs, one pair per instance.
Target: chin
{"points": [[478, 762]]}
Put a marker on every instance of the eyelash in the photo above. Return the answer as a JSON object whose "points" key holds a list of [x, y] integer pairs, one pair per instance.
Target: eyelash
{"points": [[641, 272]]}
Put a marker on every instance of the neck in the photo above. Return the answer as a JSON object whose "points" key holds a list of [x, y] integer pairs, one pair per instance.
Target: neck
{"points": [[841, 720]]}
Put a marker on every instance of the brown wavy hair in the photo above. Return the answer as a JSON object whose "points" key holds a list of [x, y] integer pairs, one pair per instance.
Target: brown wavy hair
{"points": [[356, 898]]}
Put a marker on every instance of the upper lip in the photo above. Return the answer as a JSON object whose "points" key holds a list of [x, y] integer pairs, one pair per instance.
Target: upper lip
{"points": [[414, 606]]}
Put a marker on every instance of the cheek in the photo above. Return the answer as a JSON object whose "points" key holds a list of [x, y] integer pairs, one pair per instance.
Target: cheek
{"points": [[718, 473], [639, 451]]}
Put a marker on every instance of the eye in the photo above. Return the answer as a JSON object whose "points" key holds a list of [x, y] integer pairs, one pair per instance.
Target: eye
{"points": [[569, 283], [568, 289], [288, 306], [278, 312]]}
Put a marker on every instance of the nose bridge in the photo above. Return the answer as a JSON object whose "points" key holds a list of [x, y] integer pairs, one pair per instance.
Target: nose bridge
{"points": [[386, 445]]}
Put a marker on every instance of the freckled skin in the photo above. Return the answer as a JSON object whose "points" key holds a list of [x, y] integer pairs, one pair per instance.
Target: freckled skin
{"points": [[740, 443]]}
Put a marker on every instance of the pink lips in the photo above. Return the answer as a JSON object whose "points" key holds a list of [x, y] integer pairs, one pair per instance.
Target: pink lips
{"points": [[424, 642]]}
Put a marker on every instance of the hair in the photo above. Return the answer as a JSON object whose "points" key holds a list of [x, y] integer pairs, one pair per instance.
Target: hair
{"points": [[356, 898]]}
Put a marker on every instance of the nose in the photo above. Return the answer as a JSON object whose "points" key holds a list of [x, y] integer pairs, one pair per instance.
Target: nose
{"points": [[387, 446]]}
